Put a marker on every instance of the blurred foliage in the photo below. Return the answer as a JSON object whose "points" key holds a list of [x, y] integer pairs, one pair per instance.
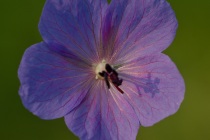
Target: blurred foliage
{"points": [[190, 51]]}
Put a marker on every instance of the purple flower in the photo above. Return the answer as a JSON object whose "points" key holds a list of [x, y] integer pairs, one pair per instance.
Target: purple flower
{"points": [[100, 67]]}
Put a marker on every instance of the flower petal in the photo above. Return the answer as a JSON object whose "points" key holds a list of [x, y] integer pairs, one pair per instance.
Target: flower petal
{"points": [[51, 84], [74, 24], [153, 86], [103, 115], [139, 27]]}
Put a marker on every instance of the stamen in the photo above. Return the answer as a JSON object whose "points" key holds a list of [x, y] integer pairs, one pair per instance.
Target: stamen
{"points": [[106, 72], [108, 68]]}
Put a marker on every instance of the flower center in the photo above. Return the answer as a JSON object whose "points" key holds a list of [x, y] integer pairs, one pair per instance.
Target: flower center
{"points": [[106, 72]]}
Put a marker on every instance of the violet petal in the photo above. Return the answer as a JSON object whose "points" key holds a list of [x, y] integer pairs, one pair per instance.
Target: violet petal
{"points": [[75, 25], [138, 27], [51, 85], [153, 86], [103, 115]]}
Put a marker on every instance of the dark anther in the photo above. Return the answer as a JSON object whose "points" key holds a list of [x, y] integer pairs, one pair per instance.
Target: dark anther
{"points": [[112, 76], [105, 75], [115, 72], [108, 68], [102, 73]]}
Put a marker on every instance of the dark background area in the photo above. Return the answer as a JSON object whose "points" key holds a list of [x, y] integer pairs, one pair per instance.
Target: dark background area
{"points": [[190, 51]]}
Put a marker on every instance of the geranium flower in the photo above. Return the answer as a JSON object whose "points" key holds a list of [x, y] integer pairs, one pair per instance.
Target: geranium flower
{"points": [[100, 67]]}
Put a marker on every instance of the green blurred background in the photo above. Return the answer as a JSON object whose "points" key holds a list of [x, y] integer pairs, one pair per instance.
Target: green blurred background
{"points": [[190, 51]]}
